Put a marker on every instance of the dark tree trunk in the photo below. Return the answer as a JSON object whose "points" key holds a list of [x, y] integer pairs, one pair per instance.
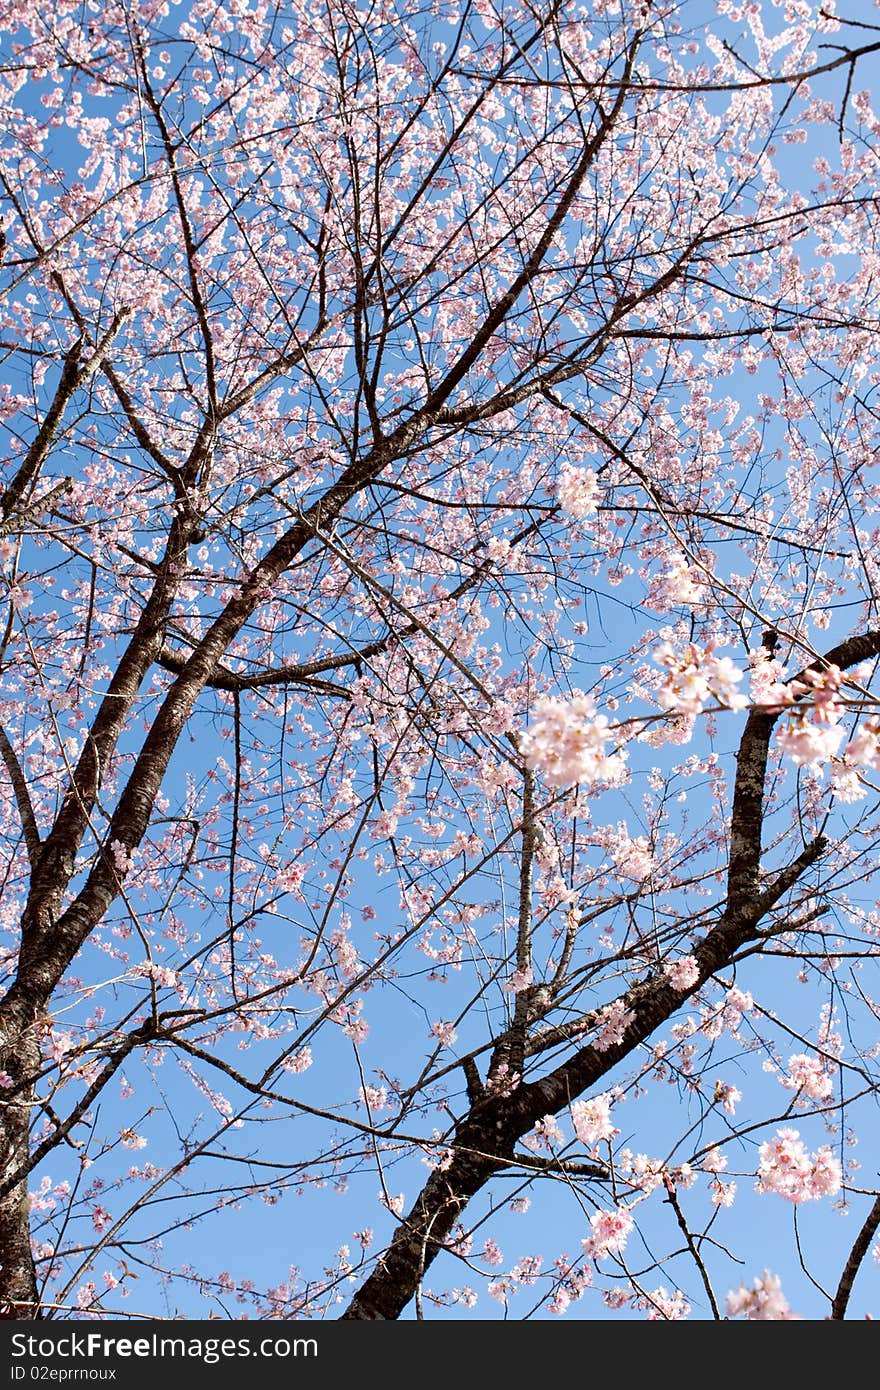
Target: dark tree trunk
{"points": [[20, 1060]]}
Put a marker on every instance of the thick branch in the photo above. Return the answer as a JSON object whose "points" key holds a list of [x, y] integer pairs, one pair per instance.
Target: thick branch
{"points": [[233, 681], [74, 374], [856, 1255]]}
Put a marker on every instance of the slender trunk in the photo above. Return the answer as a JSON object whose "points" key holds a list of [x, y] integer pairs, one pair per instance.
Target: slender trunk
{"points": [[18, 1284], [20, 1061]]}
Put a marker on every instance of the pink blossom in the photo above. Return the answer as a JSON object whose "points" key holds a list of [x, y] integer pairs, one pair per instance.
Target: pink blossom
{"points": [[847, 781], [560, 1301], [694, 677], [298, 1061], [612, 1022], [519, 980], [615, 1298], [713, 1021], [661, 1304], [682, 973], [160, 974], [864, 746], [633, 858], [289, 879], [808, 742], [767, 681], [101, 1218], [577, 490], [808, 1076], [503, 1082], [374, 1097], [609, 1232], [527, 1269], [445, 1032], [714, 1161], [492, 1253], [384, 826], [356, 1028], [465, 1295], [681, 583], [592, 1120], [786, 1168], [763, 1302], [545, 1135], [727, 1096], [565, 742], [723, 1193]]}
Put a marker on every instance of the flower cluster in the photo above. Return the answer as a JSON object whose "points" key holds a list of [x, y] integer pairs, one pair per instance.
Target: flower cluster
{"points": [[609, 1232], [445, 1032], [545, 1135], [566, 740], [661, 1305], [807, 741], [813, 733], [573, 1284], [592, 1120], [763, 1302], [728, 1015], [577, 491], [863, 749], [612, 1022], [809, 1077], [864, 746], [632, 857], [785, 1167], [298, 1061], [696, 676], [727, 1096], [767, 677], [682, 973], [160, 974], [681, 583], [519, 980]]}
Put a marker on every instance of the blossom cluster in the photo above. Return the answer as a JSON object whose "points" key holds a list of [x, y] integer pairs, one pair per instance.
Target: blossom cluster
{"points": [[813, 733], [545, 1135], [613, 1021], [694, 677], [577, 491], [608, 1232], [809, 1077], [682, 973], [763, 1302], [592, 1120], [785, 1167], [727, 1015], [566, 742], [681, 583], [150, 970]]}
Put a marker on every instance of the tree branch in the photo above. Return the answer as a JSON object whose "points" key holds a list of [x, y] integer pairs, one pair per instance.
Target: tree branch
{"points": [[853, 1264], [22, 799]]}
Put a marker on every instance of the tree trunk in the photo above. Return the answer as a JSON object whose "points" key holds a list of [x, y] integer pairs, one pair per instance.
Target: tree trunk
{"points": [[20, 1060]]}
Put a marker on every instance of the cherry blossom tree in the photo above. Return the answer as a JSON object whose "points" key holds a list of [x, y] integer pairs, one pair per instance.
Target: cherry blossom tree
{"points": [[439, 749]]}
